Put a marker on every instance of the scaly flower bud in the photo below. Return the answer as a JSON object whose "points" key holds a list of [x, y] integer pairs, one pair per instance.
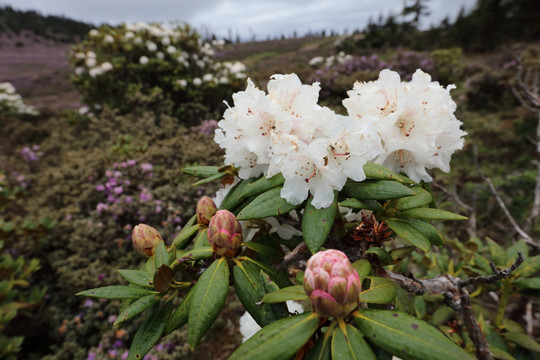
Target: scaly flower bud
{"points": [[145, 239], [224, 233], [332, 284], [205, 210]]}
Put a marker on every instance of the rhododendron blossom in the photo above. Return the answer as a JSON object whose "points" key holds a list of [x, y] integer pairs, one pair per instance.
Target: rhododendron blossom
{"points": [[405, 126]]}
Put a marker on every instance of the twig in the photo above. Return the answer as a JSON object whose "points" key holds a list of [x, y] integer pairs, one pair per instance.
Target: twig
{"points": [[457, 297]]}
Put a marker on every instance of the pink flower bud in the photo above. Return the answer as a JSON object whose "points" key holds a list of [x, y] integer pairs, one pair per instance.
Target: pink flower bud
{"points": [[145, 239], [205, 210], [224, 233], [332, 284]]}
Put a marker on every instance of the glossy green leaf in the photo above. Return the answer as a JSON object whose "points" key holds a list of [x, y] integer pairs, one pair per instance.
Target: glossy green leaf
{"points": [[522, 340], [431, 214], [201, 240], [209, 296], [267, 204], [380, 291], [429, 231], [250, 291], [201, 171], [421, 198], [150, 332], [116, 292], [529, 267], [295, 292], [281, 279], [279, 340], [261, 185], [138, 277], [136, 308], [528, 283], [501, 354], [204, 252], [350, 344], [519, 246], [364, 204], [180, 316], [376, 190], [161, 255], [233, 199], [407, 336], [409, 233], [317, 223], [210, 179], [382, 254], [268, 251], [419, 306], [182, 239], [376, 171], [362, 267]]}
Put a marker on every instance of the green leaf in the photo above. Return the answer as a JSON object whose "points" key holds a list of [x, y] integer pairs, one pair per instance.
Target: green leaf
{"points": [[201, 171], [431, 214], [522, 340], [519, 246], [136, 308], [268, 251], [233, 199], [201, 240], [317, 223], [383, 256], [279, 340], [281, 279], [441, 315], [380, 291], [500, 354], [150, 332], [430, 232], [529, 283], [295, 292], [209, 297], [250, 291], [403, 302], [407, 336], [364, 204], [350, 344], [498, 254], [182, 239], [180, 316], [376, 190], [138, 277], [161, 255], [401, 253], [409, 233], [265, 205], [210, 179], [321, 349], [419, 306], [421, 198], [204, 252], [376, 171], [116, 292], [261, 185], [529, 267], [362, 267]]}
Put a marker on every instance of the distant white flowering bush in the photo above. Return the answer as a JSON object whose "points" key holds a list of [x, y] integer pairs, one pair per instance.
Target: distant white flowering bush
{"points": [[115, 63], [11, 102], [408, 127]]}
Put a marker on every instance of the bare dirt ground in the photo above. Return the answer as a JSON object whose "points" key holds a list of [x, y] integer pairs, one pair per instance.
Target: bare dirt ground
{"points": [[39, 70]]}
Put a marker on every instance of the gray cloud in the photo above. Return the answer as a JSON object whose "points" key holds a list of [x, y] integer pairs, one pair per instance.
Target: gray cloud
{"points": [[244, 17]]}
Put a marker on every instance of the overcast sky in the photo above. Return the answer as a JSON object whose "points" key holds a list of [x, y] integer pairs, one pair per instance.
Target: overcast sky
{"points": [[243, 17]]}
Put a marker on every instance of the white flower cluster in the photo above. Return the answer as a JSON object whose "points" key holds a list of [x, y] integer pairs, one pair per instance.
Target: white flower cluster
{"points": [[11, 102], [142, 42], [405, 126], [340, 58]]}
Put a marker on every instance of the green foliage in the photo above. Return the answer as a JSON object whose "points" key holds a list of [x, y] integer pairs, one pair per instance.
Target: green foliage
{"points": [[449, 67], [16, 295]]}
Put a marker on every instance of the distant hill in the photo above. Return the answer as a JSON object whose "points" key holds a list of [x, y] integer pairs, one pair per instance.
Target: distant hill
{"points": [[56, 28]]}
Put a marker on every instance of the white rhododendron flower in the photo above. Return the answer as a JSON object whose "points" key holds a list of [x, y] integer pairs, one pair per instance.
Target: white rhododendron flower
{"points": [[405, 126], [415, 121]]}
